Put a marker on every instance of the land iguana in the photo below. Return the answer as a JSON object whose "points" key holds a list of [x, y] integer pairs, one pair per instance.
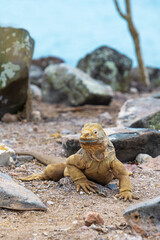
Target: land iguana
{"points": [[95, 161]]}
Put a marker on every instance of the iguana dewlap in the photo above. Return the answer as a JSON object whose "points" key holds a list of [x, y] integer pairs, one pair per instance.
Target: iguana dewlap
{"points": [[95, 161]]}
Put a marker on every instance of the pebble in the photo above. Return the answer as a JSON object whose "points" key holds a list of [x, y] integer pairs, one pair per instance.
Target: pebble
{"points": [[133, 90], [5, 155], [111, 186], [141, 158], [45, 233], [93, 218], [66, 132], [81, 193], [50, 202], [75, 222], [21, 169]]}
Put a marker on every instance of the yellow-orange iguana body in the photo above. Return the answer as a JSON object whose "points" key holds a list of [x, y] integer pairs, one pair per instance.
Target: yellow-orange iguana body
{"points": [[95, 161]]}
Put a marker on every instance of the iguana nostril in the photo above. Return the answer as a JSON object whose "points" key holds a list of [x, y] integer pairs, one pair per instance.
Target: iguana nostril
{"points": [[86, 134]]}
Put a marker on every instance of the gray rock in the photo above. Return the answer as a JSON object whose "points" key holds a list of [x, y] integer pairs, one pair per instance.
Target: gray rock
{"points": [[128, 142], [72, 86], [108, 65], [154, 76], [140, 113], [6, 176], [144, 217], [16, 49], [16, 197], [5, 156]]}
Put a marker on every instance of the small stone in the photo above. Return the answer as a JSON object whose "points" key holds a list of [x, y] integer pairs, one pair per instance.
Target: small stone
{"points": [[35, 128], [111, 186], [66, 132], [84, 228], [7, 117], [5, 155], [34, 234], [93, 218], [21, 169], [36, 116], [50, 202], [141, 158], [75, 222], [45, 233], [86, 204], [81, 192], [133, 90]]}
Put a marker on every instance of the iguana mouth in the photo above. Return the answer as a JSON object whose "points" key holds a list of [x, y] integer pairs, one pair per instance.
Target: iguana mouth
{"points": [[88, 140]]}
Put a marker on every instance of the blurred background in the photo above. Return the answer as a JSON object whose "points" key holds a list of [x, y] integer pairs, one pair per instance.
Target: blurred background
{"points": [[70, 29]]}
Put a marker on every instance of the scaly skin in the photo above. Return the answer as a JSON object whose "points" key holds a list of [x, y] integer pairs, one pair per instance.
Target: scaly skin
{"points": [[95, 161]]}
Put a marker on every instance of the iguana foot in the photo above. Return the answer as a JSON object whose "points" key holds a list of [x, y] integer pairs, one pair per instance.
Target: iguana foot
{"points": [[125, 195], [86, 185]]}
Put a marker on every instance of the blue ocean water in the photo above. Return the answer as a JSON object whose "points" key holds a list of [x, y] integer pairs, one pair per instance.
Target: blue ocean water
{"points": [[72, 28]]}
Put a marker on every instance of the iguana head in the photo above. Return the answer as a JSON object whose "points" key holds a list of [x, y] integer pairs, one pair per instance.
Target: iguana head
{"points": [[94, 141], [92, 133]]}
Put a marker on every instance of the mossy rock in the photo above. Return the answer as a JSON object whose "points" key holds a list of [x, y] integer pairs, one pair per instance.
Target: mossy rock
{"points": [[65, 84], [109, 66], [16, 50], [154, 121]]}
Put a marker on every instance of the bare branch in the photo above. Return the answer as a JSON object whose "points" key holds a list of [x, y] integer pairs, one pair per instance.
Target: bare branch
{"points": [[135, 36], [128, 8], [119, 11]]}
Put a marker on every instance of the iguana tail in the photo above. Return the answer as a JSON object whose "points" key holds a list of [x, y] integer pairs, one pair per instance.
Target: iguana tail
{"points": [[43, 158], [33, 176]]}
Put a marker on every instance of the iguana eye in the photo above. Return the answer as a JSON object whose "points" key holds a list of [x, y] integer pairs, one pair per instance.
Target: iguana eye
{"points": [[95, 132]]}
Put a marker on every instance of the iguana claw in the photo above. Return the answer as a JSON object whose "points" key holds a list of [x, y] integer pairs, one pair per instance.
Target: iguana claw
{"points": [[127, 195], [86, 185]]}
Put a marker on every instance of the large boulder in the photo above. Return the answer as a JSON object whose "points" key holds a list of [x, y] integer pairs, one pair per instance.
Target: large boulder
{"points": [[108, 65], [72, 86], [128, 142], [140, 113], [16, 49]]}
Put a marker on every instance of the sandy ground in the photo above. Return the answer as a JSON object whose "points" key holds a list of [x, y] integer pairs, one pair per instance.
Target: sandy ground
{"points": [[66, 207]]}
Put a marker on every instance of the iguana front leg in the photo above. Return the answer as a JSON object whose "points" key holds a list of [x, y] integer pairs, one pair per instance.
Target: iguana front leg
{"points": [[74, 166], [120, 172]]}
